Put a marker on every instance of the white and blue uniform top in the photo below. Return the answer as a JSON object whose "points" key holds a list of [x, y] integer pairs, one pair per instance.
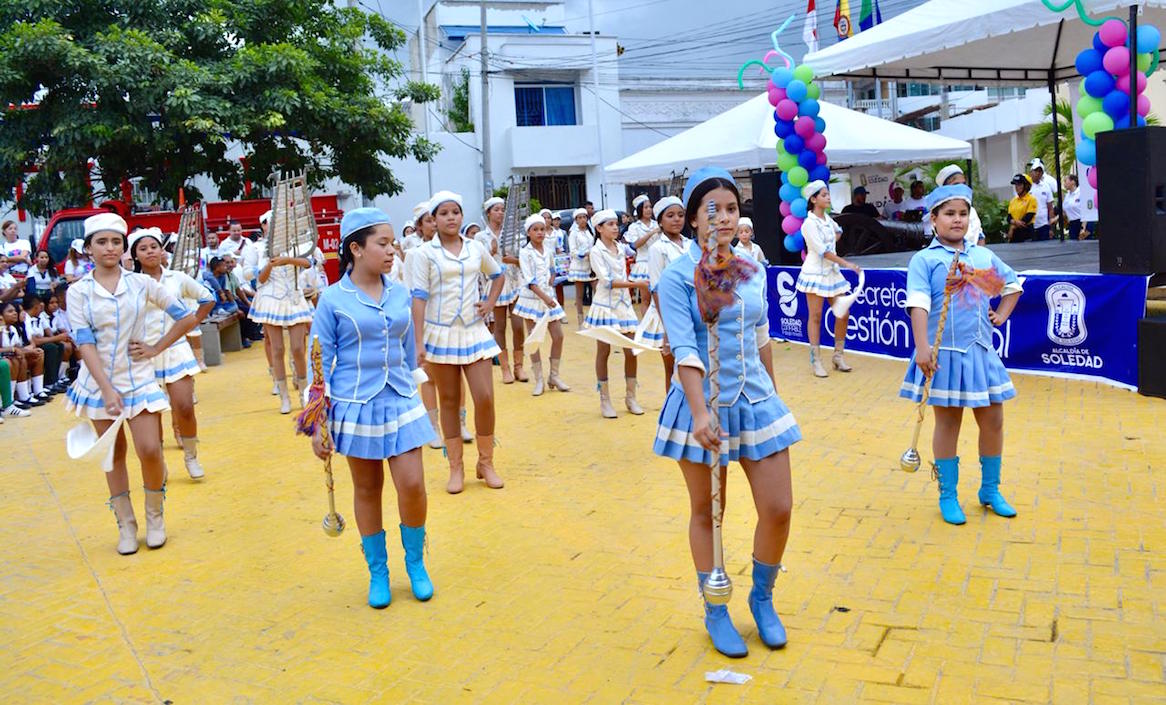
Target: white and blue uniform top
{"points": [[757, 422], [370, 370], [537, 271], [970, 372], [636, 231], [819, 275], [580, 243], [178, 360], [610, 306], [454, 333], [663, 252], [753, 250], [111, 321]]}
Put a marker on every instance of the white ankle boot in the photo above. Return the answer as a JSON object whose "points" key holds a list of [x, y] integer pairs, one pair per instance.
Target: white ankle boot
{"points": [[554, 381], [605, 407], [816, 363], [536, 367], [284, 397], [840, 362], [630, 399], [127, 523], [155, 526], [467, 437], [190, 457]]}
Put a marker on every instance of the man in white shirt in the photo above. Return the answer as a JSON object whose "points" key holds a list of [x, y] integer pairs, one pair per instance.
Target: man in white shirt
{"points": [[241, 249], [1044, 189], [17, 251], [1073, 207], [893, 207], [915, 204]]}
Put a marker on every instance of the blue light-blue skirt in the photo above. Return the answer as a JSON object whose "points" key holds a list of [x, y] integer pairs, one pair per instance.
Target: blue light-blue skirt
{"points": [[384, 427], [970, 379], [755, 430]]}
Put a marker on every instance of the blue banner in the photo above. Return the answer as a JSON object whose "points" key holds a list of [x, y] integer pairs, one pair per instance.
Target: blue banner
{"points": [[1066, 325]]}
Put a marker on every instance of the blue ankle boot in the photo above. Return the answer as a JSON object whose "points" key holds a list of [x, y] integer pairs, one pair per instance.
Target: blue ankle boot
{"points": [[947, 473], [726, 638], [990, 486], [377, 557], [413, 539], [769, 626]]}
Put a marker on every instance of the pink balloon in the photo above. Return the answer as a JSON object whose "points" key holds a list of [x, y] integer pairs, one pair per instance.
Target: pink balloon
{"points": [[821, 157], [805, 126], [784, 208], [1117, 61], [1091, 176], [1112, 33], [816, 142], [780, 93], [791, 224], [1123, 83], [787, 109], [1143, 105], [773, 99]]}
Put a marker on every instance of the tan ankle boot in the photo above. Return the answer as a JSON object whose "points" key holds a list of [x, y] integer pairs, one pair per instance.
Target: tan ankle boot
{"points": [[127, 523], [486, 463], [436, 443], [536, 367], [605, 408], [630, 399], [190, 457], [504, 363], [554, 381], [155, 525], [816, 363], [519, 374], [840, 362], [454, 451]]}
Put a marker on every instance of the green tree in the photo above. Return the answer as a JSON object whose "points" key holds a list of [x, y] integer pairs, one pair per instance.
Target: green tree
{"points": [[459, 110], [160, 89], [1041, 139]]}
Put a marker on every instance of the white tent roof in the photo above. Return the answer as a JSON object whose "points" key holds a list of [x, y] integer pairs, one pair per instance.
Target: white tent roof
{"points": [[743, 138], [976, 41]]}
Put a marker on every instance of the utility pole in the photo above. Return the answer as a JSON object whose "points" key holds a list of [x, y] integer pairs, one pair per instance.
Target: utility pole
{"points": [[598, 125], [487, 182], [423, 57]]}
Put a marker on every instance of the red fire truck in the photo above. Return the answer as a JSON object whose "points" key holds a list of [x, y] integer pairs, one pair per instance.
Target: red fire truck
{"points": [[66, 225]]}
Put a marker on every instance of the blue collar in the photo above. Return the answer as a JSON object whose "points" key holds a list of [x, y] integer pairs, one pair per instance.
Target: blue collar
{"points": [[347, 285], [935, 243]]}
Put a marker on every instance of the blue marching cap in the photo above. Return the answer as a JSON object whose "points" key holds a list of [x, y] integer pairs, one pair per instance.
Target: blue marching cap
{"points": [[943, 194], [702, 175], [360, 218]]}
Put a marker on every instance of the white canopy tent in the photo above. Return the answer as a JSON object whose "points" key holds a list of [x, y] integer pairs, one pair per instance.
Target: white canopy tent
{"points": [[743, 138], [976, 41]]}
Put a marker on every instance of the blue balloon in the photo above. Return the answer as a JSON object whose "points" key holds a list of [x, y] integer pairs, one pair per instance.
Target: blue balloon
{"points": [[1148, 39], [799, 208], [1099, 83], [796, 91], [1115, 103], [810, 107], [789, 193], [808, 160], [1097, 44], [820, 173], [1141, 121], [1087, 151], [784, 178], [1088, 61], [783, 128], [789, 244], [783, 76], [794, 144], [819, 124], [799, 242]]}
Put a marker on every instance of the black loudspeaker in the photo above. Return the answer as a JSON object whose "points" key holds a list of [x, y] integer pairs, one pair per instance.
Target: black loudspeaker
{"points": [[767, 219], [1131, 178], [1152, 357]]}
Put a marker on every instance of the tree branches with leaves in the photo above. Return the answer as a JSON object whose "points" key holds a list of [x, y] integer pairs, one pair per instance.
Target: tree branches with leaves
{"points": [[161, 89]]}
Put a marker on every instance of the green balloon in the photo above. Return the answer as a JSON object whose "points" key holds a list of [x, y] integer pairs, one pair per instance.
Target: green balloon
{"points": [[781, 147], [1087, 105], [1082, 88], [813, 91], [804, 73], [1144, 62], [798, 176], [785, 162], [1097, 122]]}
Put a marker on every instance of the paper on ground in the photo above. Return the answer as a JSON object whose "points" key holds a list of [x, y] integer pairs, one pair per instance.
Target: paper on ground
{"points": [[726, 676]]}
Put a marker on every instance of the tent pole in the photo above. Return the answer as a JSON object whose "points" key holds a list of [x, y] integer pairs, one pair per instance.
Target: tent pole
{"points": [[1133, 66], [1060, 210]]}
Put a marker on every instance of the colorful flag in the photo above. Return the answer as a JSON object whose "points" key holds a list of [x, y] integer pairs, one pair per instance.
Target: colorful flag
{"points": [[810, 30], [870, 15], [842, 19]]}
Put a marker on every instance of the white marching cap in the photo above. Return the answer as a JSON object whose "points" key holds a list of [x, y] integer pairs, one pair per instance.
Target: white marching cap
{"points": [[639, 199], [137, 235], [444, 197], [745, 223], [664, 204], [420, 209], [602, 217], [531, 221], [946, 173], [105, 221], [491, 202]]}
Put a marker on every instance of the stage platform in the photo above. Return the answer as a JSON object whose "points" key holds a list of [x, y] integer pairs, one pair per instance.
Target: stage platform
{"points": [[1077, 257]]}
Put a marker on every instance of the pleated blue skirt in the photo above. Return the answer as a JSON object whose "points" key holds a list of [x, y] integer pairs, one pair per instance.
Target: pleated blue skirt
{"points": [[970, 379], [384, 427], [755, 430]]}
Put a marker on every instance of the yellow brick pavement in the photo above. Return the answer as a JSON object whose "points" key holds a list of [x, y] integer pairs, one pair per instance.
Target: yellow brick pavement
{"points": [[573, 585]]}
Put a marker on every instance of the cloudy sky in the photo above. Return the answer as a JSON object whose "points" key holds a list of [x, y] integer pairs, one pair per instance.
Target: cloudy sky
{"points": [[670, 38]]}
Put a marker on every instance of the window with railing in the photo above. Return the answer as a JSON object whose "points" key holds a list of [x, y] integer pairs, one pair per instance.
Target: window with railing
{"points": [[538, 104]]}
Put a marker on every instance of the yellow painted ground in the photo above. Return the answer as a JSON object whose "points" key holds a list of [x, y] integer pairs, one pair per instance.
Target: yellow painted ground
{"points": [[574, 583]]}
